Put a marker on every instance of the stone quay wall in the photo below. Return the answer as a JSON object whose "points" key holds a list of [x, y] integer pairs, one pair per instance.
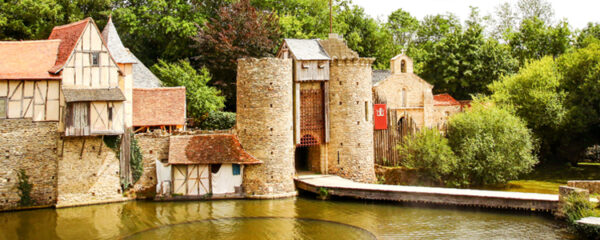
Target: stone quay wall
{"points": [[264, 125], [88, 173], [30, 146], [154, 146], [350, 149], [593, 186]]}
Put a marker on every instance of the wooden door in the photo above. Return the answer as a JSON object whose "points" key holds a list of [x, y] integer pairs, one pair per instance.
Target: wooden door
{"points": [[78, 119], [191, 179], [180, 179]]}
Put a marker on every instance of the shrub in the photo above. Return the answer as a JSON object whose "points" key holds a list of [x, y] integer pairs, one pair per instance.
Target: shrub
{"points": [[428, 150], [218, 121], [576, 207], [491, 145], [136, 161], [24, 189]]}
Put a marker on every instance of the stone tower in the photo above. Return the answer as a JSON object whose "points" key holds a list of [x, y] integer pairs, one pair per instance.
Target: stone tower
{"points": [[350, 149], [264, 125]]}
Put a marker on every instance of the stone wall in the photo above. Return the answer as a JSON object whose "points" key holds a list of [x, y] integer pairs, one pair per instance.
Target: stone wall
{"points": [[30, 146], [154, 146], [88, 173], [264, 125], [593, 186], [350, 149]]}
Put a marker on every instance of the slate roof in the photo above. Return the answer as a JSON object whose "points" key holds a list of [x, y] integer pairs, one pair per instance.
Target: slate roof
{"points": [[69, 35], [336, 48], [114, 44], [444, 99], [379, 75], [143, 77], [95, 94], [159, 106], [28, 59], [306, 49], [208, 149]]}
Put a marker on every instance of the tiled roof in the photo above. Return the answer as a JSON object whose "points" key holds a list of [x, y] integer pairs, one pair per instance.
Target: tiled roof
{"points": [[28, 59], [208, 149], [95, 94], [159, 106], [143, 77], [69, 35], [307, 49], [114, 44], [444, 100], [379, 75]]}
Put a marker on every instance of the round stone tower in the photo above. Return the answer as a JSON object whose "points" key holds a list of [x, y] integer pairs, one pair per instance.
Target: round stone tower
{"points": [[264, 125], [350, 149]]}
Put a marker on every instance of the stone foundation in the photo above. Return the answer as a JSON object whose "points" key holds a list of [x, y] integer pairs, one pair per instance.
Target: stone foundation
{"points": [[88, 173], [30, 146], [154, 146], [593, 186]]}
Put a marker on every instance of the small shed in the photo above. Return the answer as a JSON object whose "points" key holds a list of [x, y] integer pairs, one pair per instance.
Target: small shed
{"points": [[207, 164]]}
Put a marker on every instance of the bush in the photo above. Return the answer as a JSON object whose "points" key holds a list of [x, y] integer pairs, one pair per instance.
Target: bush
{"points": [[576, 207], [218, 121], [24, 189], [491, 145], [428, 150]]}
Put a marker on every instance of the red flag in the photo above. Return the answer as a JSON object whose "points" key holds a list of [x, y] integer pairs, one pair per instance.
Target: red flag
{"points": [[380, 117]]}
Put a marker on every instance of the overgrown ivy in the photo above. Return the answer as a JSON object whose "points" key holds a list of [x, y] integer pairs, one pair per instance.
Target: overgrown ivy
{"points": [[114, 143], [136, 161], [24, 189]]}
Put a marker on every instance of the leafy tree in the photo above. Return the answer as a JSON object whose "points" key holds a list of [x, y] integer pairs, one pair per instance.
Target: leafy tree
{"points": [[589, 33], [491, 145], [218, 121], [303, 19], [535, 40], [403, 27], [540, 9], [534, 95], [464, 63], [159, 29], [429, 150], [239, 30], [200, 98], [28, 19]]}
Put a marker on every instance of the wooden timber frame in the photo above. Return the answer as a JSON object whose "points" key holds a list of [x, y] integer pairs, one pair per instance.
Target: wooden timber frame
{"points": [[35, 99]]}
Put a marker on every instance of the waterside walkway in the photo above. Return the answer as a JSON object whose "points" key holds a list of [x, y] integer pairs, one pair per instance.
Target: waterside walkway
{"points": [[337, 186]]}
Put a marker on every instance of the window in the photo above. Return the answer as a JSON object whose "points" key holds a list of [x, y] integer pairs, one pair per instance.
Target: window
{"points": [[367, 111], [95, 58], [403, 97], [236, 169], [110, 113], [403, 66], [2, 107], [214, 168]]}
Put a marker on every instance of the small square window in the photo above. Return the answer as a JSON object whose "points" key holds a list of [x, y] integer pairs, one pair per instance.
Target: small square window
{"points": [[95, 58], [236, 169]]}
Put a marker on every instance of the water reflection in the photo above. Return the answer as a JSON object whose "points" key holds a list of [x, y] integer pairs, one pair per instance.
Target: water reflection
{"points": [[385, 220]]}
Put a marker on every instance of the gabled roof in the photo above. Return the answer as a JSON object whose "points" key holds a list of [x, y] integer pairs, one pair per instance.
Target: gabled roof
{"points": [[306, 49], [114, 44], [28, 59], [444, 100], [208, 149], [159, 106], [90, 95], [69, 35], [336, 48]]}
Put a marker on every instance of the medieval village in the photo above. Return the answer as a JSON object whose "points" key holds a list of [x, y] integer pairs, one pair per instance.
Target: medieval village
{"points": [[92, 134]]}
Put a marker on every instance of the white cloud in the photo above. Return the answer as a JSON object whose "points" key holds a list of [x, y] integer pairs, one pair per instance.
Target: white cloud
{"points": [[577, 12]]}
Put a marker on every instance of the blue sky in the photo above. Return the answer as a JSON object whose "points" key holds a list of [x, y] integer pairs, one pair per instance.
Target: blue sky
{"points": [[577, 12]]}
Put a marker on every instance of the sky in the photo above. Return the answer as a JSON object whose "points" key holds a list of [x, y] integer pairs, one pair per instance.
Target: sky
{"points": [[577, 12]]}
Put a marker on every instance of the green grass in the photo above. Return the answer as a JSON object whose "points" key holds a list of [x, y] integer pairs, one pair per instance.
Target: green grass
{"points": [[547, 178]]}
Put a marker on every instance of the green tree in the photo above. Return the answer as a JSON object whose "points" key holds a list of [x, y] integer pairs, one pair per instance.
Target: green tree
{"points": [[28, 19], [589, 33], [159, 29], [200, 98], [535, 39], [429, 150], [403, 26], [540, 9], [491, 144], [534, 95]]}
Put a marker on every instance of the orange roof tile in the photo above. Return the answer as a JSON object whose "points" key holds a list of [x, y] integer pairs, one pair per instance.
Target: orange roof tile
{"points": [[444, 100], [208, 149], [69, 34], [158, 106], [28, 59]]}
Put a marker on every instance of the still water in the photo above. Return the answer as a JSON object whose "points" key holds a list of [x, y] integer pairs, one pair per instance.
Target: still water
{"points": [[299, 218]]}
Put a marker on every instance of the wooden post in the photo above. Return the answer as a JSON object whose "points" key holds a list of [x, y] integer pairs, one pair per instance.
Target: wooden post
{"points": [[101, 143], [82, 148]]}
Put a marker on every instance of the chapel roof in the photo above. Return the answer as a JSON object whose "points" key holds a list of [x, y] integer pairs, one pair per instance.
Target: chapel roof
{"points": [[445, 99], [28, 59], [208, 149], [159, 106], [114, 44]]}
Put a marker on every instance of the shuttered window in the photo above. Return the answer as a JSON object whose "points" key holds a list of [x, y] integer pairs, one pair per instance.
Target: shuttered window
{"points": [[236, 169]]}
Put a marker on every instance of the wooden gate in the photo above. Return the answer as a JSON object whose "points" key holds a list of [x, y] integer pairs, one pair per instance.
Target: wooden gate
{"points": [[312, 120], [386, 141], [191, 179]]}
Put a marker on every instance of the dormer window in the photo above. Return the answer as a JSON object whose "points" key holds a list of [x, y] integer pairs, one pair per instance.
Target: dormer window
{"points": [[95, 58]]}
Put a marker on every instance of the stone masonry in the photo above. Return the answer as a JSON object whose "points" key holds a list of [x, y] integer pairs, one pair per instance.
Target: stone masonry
{"points": [[350, 149], [265, 125], [90, 176], [30, 146], [154, 146]]}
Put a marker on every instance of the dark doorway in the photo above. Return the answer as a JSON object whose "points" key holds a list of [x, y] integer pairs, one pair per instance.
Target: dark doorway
{"points": [[301, 159]]}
